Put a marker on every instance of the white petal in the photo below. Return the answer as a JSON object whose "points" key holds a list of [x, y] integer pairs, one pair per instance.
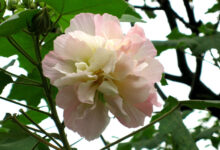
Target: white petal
{"points": [[83, 22]]}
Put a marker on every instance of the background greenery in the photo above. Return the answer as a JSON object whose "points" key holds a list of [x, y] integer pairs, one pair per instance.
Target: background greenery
{"points": [[29, 33]]}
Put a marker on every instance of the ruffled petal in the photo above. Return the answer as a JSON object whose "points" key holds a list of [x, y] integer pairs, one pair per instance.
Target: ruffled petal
{"points": [[67, 97], [134, 117], [86, 92], [133, 89], [49, 61], [107, 87], [123, 67], [74, 78], [152, 72], [71, 48], [91, 124], [83, 22], [103, 60], [147, 106], [108, 26]]}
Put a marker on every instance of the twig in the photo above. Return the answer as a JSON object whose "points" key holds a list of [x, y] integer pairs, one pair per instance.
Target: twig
{"points": [[21, 50], [104, 141], [160, 92], [29, 107], [145, 7], [31, 84], [22, 77], [34, 135], [141, 129], [47, 91], [39, 127]]}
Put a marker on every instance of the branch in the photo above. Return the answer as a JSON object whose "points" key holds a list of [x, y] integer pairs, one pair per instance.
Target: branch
{"points": [[39, 127], [145, 7], [21, 50], [22, 77], [160, 92], [29, 107], [47, 91], [32, 134], [104, 141], [143, 128]]}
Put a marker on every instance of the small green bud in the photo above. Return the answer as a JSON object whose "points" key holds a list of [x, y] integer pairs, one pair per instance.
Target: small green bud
{"points": [[12, 4], [41, 22]]}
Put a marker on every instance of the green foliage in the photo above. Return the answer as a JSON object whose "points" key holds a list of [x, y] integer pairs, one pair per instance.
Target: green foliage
{"points": [[130, 18], [32, 95], [16, 138], [115, 7], [2, 7], [198, 45], [26, 42], [4, 80], [17, 22], [37, 117]]}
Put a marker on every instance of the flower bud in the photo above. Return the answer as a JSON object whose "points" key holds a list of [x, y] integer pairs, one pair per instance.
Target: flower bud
{"points": [[12, 4], [41, 22]]}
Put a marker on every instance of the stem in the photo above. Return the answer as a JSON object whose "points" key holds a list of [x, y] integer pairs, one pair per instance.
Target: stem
{"points": [[160, 92], [29, 107], [104, 141], [34, 135], [143, 128], [22, 77], [39, 127], [47, 92], [21, 50], [31, 84]]}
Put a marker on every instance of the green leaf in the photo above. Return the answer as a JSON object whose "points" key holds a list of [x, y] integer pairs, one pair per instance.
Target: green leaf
{"points": [[4, 80], [173, 124], [31, 94], [25, 41], [214, 8], [130, 18], [163, 81], [124, 146], [207, 134], [198, 45], [171, 103], [2, 7], [16, 138], [150, 14], [37, 117], [201, 104], [16, 22], [114, 7]]}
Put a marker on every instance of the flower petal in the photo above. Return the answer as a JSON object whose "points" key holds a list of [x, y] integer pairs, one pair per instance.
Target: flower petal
{"points": [[73, 78], [126, 113], [83, 22], [93, 122], [49, 61], [108, 88], [71, 48], [123, 67], [152, 72], [103, 60], [134, 117], [108, 26], [86, 92], [67, 97], [133, 89]]}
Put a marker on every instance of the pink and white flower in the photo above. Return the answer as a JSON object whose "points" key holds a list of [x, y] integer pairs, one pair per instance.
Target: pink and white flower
{"points": [[98, 69]]}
